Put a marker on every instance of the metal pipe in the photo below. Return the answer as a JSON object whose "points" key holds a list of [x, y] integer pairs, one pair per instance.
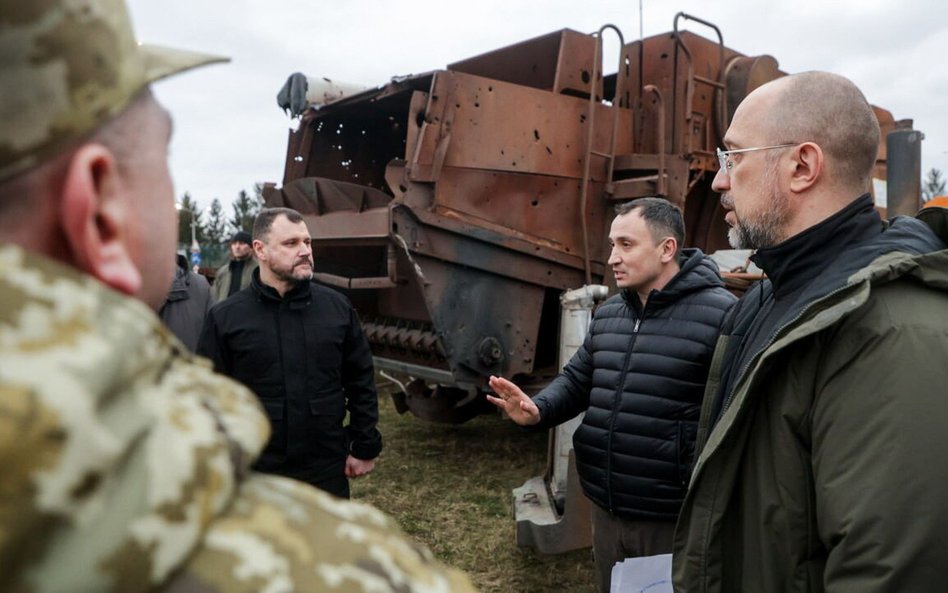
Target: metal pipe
{"points": [[615, 104], [903, 172], [718, 85], [660, 185], [590, 134], [584, 189]]}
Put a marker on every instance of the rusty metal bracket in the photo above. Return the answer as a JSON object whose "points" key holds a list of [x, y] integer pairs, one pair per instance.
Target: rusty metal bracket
{"points": [[590, 133], [719, 85], [651, 88], [389, 281]]}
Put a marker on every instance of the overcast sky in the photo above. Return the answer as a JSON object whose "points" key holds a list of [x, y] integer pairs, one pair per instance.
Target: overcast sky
{"points": [[230, 134]]}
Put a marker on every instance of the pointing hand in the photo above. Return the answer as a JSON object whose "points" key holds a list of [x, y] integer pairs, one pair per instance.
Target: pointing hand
{"points": [[513, 401]]}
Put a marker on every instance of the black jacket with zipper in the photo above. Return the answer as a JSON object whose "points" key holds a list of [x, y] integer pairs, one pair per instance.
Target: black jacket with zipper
{"points": [[306, 358], [639, 377]]}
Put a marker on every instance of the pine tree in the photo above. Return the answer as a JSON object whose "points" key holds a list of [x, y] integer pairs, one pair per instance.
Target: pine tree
{"points": [[246, 208], [216, 227], [934, 185]]}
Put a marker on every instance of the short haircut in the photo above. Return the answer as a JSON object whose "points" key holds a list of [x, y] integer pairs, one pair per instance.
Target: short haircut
{"points": [[831, 111], [121, 135], [662, 218], [264, 221]]}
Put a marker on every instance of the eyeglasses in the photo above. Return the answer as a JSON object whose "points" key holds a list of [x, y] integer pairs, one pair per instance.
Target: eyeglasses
{"points": [[726, 164]]}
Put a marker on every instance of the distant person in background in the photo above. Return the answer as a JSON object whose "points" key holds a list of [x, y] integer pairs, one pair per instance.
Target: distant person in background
{"points": [[235, 274], [187, 304]]}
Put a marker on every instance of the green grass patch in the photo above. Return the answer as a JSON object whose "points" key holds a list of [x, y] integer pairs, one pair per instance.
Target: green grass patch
{"points": [[450, 488]]}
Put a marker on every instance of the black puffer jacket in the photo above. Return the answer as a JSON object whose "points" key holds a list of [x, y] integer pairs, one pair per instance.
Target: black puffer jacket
{"points": [[306, 358], [639, 376]]}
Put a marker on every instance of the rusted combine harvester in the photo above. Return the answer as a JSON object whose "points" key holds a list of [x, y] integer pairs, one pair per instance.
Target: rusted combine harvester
{"points": [[454, 207]]}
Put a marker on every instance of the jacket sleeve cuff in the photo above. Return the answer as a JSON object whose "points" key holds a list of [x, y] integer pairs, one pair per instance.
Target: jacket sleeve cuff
{"points": [[366, 449]]}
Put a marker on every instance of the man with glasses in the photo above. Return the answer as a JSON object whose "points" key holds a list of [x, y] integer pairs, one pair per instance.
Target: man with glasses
{"points": [[823, 427], [638, 377]]}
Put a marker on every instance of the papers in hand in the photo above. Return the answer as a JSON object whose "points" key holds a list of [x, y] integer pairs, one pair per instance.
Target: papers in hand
{"points": [[648, 574]]}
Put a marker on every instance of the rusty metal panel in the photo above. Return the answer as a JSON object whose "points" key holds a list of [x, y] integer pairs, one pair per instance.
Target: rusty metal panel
{"points": [[330, 195], [485, 124], [560, 62], [413, 125], [534, 205], [472, 247], [349, 226], [295, 166], [430, 133], [404, 302], [489, 323], [689, 128], [574, 66], [352, 142], [887, 124]]}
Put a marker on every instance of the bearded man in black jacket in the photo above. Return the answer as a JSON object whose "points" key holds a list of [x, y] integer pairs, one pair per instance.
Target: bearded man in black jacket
{"points": [[299, 346], [639, 377]]}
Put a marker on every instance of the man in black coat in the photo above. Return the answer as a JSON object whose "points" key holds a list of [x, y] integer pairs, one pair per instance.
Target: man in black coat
{"points": [[299, 346], [639, 377], [187, 304]]}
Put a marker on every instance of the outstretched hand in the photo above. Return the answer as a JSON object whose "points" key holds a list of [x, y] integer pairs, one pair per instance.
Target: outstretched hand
{"points": [[514, 401]]}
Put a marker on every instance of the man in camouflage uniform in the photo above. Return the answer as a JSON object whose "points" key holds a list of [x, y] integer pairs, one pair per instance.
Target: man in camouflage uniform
{"points": [[123, 459]]}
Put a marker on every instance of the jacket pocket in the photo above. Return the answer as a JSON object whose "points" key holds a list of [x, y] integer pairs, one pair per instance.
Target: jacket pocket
{"points": [[276, 414], [327, 433]]}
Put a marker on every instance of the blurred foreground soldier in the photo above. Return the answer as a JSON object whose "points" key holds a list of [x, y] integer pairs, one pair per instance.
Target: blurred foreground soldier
{"points": [[123, 459], [826, 405], [187, 304], [235, 274], [299, 346], [639, 377]]}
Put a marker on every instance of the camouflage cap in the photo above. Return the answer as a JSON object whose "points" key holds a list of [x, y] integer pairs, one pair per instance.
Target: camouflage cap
{"points": [[66, 67]]}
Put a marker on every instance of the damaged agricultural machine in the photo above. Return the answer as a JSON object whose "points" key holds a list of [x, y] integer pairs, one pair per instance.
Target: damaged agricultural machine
{"points": [[454, 207]]}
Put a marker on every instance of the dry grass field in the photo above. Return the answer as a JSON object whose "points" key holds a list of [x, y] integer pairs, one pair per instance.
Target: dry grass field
{"points": [[450, 487]]}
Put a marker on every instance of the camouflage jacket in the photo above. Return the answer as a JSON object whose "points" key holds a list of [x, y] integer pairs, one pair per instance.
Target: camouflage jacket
{"points": [[124, 464]]}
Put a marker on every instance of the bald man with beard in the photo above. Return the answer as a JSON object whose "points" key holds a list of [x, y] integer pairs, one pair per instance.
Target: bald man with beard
{"points": [[823, 427]]}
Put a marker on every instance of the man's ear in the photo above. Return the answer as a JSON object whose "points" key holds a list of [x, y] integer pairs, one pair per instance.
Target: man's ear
{"points": [[808, 166], [95, 219], [669, 247], [257, 246]]}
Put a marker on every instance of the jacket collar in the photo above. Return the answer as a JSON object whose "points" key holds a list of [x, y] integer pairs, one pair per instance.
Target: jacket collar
{"points": [[697, 272], [907, 246], [296, 297], [803, 257]]}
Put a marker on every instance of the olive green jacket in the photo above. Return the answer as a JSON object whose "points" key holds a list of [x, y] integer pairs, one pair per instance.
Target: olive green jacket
{"points": [[222, 278], [124, 464], [826, 470]]}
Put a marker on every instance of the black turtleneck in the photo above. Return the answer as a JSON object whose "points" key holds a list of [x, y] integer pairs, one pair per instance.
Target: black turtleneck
{"points": [[791, 267], [236, 273], [297, 296]]}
